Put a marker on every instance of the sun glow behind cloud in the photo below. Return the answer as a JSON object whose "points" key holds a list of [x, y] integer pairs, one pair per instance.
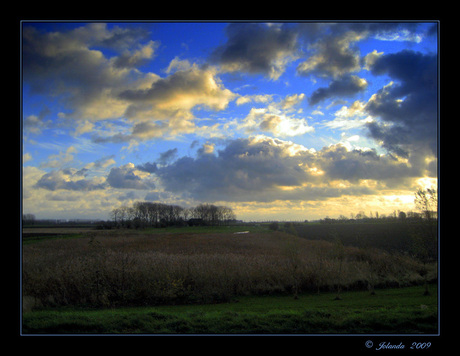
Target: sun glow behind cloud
{"points": [[285, 121]]}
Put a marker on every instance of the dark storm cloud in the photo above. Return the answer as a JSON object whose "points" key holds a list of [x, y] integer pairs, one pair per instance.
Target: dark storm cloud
{"points": [[62, 58], [148, 167], [265, 169], [345, 86], [244, 169], [331, 48], [409, 104], [124, 177], [332, 56], [355, 165], [256, 48], [167, 156], [326, 49]]}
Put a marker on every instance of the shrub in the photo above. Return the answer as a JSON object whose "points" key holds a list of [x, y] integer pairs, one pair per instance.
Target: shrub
{"points": [[274, 226]]}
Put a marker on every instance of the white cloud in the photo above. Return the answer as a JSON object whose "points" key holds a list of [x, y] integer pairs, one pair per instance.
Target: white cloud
{"points": [[83, 127], [278, 124], [61, 159], [26, 157], [291, 100], [254, 98], [276, 118], [370, 59], [317, 112], [402, 35], [177, 64], [349, 117], [35, 124]]}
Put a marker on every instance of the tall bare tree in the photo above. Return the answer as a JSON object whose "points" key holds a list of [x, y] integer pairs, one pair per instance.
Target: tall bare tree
{"points": [[424, 236]]}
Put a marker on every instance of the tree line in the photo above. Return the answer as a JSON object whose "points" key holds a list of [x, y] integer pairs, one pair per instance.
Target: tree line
{"points": [[143, 214]]}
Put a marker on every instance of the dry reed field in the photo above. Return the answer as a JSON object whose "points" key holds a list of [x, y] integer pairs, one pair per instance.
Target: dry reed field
{"points": [[126, 268]]}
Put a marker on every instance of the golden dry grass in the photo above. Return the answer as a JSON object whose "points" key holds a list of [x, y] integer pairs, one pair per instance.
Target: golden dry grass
{"points": [[129, 268]]}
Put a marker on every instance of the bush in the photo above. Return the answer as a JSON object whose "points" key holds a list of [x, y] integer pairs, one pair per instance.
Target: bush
{"points": [[274, 226]]}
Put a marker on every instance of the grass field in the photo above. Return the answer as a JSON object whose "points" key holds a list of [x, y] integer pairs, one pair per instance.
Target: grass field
{"points": [[392, 311], [212, 280]]}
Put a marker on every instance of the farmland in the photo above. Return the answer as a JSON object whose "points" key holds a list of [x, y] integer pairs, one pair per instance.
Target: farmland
{"points": [[198, 266]]}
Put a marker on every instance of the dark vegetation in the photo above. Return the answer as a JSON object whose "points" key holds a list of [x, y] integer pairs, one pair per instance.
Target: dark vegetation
{"points": [[148, 214], [394, 237]]}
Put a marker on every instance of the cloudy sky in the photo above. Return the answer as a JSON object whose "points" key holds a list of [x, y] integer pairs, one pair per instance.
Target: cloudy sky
{"points": [[287, 121]]}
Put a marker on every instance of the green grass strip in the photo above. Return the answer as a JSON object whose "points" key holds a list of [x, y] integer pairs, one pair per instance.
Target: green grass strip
{"points": [[393, 311]]}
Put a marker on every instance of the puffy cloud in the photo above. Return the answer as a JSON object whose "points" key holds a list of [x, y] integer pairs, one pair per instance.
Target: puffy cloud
{"points": [[178, 93], [147, 167], [165, 107], [354, 165], [101, 163], [244, 168], [131, 59], [292, 100], [345, 86], [128, 177], [69, 179], [58, 160], [332, 51], [275, 123], [62, 198], [254, 98], [264, 169], [277, 119], [146, 129], [207, 148], [334, 55], [70, 66], [370, 59], [66, 64], [257, 48], [350, 117], [83, 127], [167, 156], [35, 124]]}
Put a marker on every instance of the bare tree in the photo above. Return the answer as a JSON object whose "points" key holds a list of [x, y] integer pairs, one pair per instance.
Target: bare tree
{"points": [[424, 235], [158, 214], [427, 202]]}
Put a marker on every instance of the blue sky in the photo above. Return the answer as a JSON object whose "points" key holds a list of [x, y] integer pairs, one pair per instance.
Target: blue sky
{"points": [[288, 121]]}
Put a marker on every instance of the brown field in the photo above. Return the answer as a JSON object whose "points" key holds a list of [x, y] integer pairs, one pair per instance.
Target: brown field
{"points": [[42, 231], [114, 268]]}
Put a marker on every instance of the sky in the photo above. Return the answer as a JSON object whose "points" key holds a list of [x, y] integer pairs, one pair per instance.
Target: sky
{"points": [[279, 121]]}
